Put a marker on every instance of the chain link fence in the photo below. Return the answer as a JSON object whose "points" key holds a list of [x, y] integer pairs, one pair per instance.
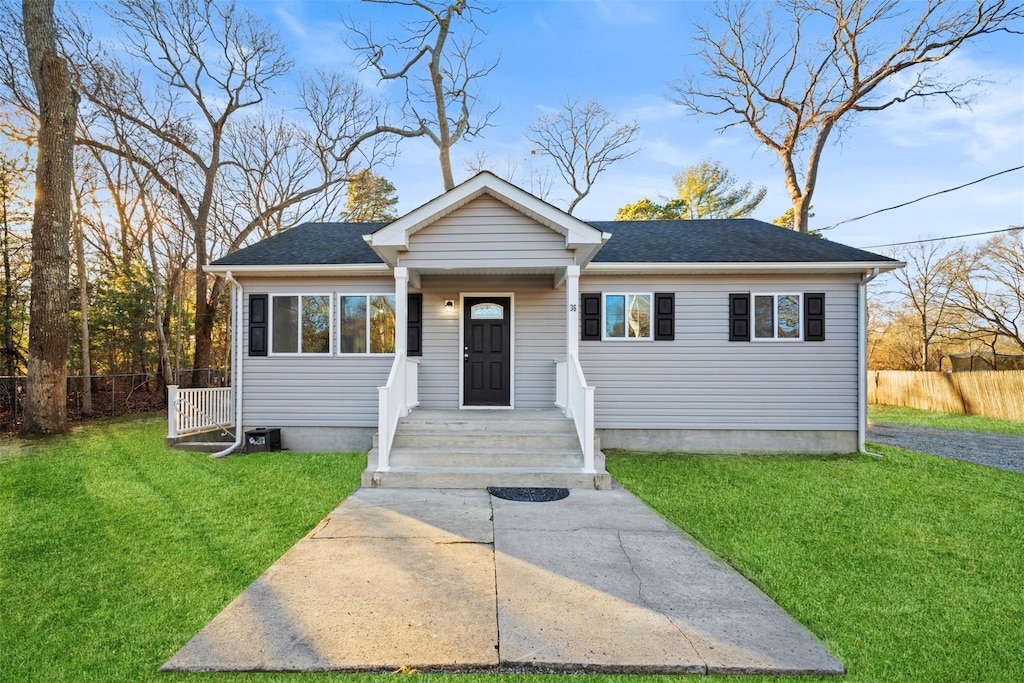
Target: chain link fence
{"points": [[112, 395]]}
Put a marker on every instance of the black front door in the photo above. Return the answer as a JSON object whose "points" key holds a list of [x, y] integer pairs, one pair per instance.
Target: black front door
{"points": [[487, 352]]}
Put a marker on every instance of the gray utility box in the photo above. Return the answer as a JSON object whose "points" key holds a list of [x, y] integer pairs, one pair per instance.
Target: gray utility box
{"points": [[262, 439]]}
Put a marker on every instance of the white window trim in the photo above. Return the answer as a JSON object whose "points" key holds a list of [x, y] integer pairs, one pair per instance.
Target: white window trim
{"points": [[604, 317], [775, 317], [367, 352], [298, 326]]}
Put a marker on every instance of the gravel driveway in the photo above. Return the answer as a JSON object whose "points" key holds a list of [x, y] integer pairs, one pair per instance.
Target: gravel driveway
{"points": [[1004, 451]]}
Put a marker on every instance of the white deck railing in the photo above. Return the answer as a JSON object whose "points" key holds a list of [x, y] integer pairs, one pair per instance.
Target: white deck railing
{"points": [[394, 400], [579, 405], [195, 410]]}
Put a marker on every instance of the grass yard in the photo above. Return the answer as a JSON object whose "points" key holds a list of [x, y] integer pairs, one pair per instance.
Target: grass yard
{"points": [[115, 550], [935, 418]]}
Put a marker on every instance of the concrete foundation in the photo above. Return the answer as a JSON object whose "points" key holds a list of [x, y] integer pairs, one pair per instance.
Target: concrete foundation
{"points": [[324, 439], [741, 441]]}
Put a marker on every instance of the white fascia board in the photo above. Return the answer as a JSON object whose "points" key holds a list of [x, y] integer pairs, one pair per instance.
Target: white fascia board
{"points": [[304, 270], [751, 267], [396, 233]]}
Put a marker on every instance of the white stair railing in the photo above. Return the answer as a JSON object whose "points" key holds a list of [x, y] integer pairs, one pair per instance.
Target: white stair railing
{"points": [[394, 400], [190, 411], [579, 405]]}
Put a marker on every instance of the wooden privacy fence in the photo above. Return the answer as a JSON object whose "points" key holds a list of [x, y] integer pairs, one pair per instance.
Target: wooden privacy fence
{"points": [[993, 394]]}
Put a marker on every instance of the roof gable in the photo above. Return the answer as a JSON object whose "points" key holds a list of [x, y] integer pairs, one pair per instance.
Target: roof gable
{"points": [[578, 235]]}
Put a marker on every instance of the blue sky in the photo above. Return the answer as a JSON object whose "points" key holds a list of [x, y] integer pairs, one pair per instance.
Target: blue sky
{"points": [[625, 54]]}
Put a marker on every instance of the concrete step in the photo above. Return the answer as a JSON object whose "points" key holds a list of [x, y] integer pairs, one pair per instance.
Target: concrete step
{"points": [[417, 421], [404, 456], [485, 440], [480, 478]]}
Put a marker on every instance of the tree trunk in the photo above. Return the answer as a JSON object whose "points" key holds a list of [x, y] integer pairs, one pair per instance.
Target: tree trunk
{"points": [[46, 385], [83, 309], [158, 310], [203, 355], [9, 351], [801, 211]]}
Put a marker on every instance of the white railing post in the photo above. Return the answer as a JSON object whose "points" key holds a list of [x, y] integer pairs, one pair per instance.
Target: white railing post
{"points": [[383, 437], [580, 407], [172, 411], [588, 430]]}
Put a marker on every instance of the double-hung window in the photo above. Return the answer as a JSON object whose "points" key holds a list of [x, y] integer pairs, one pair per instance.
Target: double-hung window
{"points": [[777, 316], [627, 316], [301, 323], [367, 323]]}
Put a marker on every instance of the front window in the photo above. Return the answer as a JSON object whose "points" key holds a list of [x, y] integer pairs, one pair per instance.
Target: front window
{"points": [[367, 323], [301, 324], [627, 316], [777, 316]]}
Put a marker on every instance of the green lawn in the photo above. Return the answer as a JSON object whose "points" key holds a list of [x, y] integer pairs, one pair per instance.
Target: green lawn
{"points": [[115, 550], [935, 418]]}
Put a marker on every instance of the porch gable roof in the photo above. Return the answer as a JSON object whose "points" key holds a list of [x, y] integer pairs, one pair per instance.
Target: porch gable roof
{"points": [[393, 238]]}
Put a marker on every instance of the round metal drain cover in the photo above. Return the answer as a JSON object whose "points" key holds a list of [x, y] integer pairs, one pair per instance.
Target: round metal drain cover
{"points": [[527, 494]]}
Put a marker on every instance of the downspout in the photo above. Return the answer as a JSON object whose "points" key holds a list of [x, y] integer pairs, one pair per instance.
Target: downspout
{"points": [[862, 362], [236, 362]]}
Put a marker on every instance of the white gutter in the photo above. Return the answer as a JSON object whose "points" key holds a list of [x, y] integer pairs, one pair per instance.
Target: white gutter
{"points": [[746, 267], [302, 269], [862, 362], [236, 362]]}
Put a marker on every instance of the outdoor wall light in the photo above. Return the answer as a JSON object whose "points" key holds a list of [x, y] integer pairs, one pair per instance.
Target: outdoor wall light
{"points": [[449, 306]]}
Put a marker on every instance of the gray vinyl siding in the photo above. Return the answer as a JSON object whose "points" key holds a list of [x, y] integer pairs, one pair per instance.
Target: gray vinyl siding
{"points": [[313, 391], [539, 329], [703, 381], [486, 233]]}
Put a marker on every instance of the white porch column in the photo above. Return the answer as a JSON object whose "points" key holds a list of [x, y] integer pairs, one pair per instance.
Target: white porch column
{"points": [[572, 311], [401, 311]]}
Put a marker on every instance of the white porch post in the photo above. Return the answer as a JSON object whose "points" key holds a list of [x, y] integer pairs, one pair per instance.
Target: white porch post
{"points": [[572, 312], [572, 327], [401, 310]]}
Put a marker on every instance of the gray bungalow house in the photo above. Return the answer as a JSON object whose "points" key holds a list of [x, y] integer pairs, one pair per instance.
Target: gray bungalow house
{"points": [[490, 338]]}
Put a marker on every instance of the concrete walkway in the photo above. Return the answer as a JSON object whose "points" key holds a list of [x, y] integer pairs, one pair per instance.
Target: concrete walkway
{"points": [[438, 580]]}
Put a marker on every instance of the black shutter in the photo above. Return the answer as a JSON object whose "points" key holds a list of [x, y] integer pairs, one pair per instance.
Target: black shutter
{"points": [[814, 317], [414, 339], [739, 317], [257, 324], [665, 316], [590, 327]]}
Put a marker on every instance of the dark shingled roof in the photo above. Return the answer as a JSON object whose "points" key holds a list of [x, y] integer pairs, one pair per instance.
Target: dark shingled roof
{"points": [[742, 240], [310, 244], [737, 240]]}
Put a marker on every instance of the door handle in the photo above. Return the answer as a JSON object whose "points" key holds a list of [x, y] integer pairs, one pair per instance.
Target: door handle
{"points": [[466, 357]]}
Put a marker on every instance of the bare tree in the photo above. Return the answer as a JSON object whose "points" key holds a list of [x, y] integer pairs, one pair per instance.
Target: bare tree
{"points": [[536, 180], [582, 139], [442, 41], [990, 303], [178, 111], [46, 386], [928, 285], [15, 211], [796, 74]]}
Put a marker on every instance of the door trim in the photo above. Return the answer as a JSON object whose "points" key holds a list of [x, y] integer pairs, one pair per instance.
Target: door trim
{"points": [[512, 349]]}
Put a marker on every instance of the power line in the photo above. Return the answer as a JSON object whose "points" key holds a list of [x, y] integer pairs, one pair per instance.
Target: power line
{"points": [[942, 239], [927, 196]]}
